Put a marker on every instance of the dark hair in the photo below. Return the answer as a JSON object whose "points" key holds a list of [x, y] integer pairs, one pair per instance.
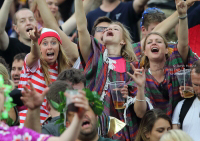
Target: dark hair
{"points": [[148, 122], [20, 56], [72, 75], [3, 62], [55, 88], [196, 66], [98, 21], [153, 18]]}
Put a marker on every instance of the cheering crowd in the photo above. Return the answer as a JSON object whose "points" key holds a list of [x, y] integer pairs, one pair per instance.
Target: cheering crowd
{"points": [[60, 59]]}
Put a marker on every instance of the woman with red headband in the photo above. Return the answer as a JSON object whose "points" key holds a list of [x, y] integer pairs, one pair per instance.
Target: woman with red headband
{"points": [[43, 64]]}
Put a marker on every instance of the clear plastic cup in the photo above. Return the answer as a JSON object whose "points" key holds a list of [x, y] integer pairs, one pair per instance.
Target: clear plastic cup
{"points": [[70, 105], [116, 94], [184, 80]]}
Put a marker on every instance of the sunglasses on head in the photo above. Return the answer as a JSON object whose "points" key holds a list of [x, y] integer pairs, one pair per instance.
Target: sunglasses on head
{"points": [[100, 28], [150, 11]]}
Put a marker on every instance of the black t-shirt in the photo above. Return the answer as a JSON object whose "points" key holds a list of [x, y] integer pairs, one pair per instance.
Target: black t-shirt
{"points": [[123, 13], [15, 47]]}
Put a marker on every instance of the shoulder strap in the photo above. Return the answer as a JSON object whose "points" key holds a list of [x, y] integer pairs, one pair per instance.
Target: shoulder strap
{"points": [[185, 108]]}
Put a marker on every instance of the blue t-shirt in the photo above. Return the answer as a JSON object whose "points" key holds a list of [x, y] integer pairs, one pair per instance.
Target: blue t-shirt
{"points": [[123, 13]]}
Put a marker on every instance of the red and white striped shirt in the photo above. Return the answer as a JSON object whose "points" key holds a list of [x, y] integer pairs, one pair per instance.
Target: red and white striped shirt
{"points": [[36, 76]]}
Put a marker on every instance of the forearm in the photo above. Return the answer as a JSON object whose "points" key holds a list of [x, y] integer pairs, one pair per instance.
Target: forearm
{"points": [[140, 107], [183, 34], [71, 133], [4, 12], [84, 36], [33, 120], [70, 24], [168, 23], [183, 47], [80, 16], [34, 55], [47, 17]]}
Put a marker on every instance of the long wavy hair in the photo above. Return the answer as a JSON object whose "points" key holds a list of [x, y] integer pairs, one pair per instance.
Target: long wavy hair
{"points": [[6, 76], [145, 59], [148, 122], [63, 63], [126, 51]]}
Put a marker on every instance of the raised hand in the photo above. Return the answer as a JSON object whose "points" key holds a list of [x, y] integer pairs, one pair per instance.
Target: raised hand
{"points": [[138, 76], [31, 98], [181, 7], [35, 34], [81, 102]]}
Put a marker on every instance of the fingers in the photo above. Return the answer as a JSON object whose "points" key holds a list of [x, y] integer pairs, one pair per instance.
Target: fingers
{"points": [[31, 85], [80, 101], [132, 66]]}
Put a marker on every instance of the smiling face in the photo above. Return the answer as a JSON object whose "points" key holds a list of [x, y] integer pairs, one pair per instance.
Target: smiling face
{"points": [[113, 34], [49, 48], [89, 125], [155, 48], [53, 6], [15, 72], [160, 127], [25, 21]]}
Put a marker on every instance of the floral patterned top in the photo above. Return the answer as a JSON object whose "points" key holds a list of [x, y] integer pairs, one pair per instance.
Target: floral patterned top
{"points": [[19, 133]]}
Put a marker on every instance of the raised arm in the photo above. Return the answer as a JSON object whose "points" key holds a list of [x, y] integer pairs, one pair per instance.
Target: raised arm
{"points": [[138, 5], [140, 105], [33, 100], [171, 21], [34, 55], [70, 24], [50, 22], [4, 12], [84, 36], [183, 47]]}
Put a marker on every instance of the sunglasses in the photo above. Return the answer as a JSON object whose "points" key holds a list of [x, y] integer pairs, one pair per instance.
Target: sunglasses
{"points": [[150, 11], [100, 28]]}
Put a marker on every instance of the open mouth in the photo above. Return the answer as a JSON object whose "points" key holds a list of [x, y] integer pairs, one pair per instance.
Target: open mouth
{"points": [[16, 79], [86, 124], [50, 55], [109, 33], [154, 50], [28, 29]]}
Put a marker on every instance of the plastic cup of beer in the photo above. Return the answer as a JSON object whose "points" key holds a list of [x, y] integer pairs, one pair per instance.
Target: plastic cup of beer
{"points": [[187, 91], [185, 83], [70, 105], [116, 94]]}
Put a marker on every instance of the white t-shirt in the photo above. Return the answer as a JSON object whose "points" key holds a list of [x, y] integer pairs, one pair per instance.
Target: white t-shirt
{"points": [[191, 122]]}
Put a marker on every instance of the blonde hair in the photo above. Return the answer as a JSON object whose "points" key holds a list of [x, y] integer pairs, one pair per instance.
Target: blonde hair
{"points": [[127, 51], [144, 59], [63, 63], [6, 76], [176, 135]]}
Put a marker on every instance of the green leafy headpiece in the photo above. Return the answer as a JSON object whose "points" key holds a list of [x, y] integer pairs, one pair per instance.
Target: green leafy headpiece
{"points": [[8, 100], [94, 102]]}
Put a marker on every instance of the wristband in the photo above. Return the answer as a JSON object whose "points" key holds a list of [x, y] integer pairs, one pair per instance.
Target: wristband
{"points": [[140, 100], [182, 18]]}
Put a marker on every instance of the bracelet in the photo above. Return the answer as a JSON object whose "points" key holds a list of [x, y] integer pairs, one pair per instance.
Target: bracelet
{"points": [[139, 100], [182, 18]]}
